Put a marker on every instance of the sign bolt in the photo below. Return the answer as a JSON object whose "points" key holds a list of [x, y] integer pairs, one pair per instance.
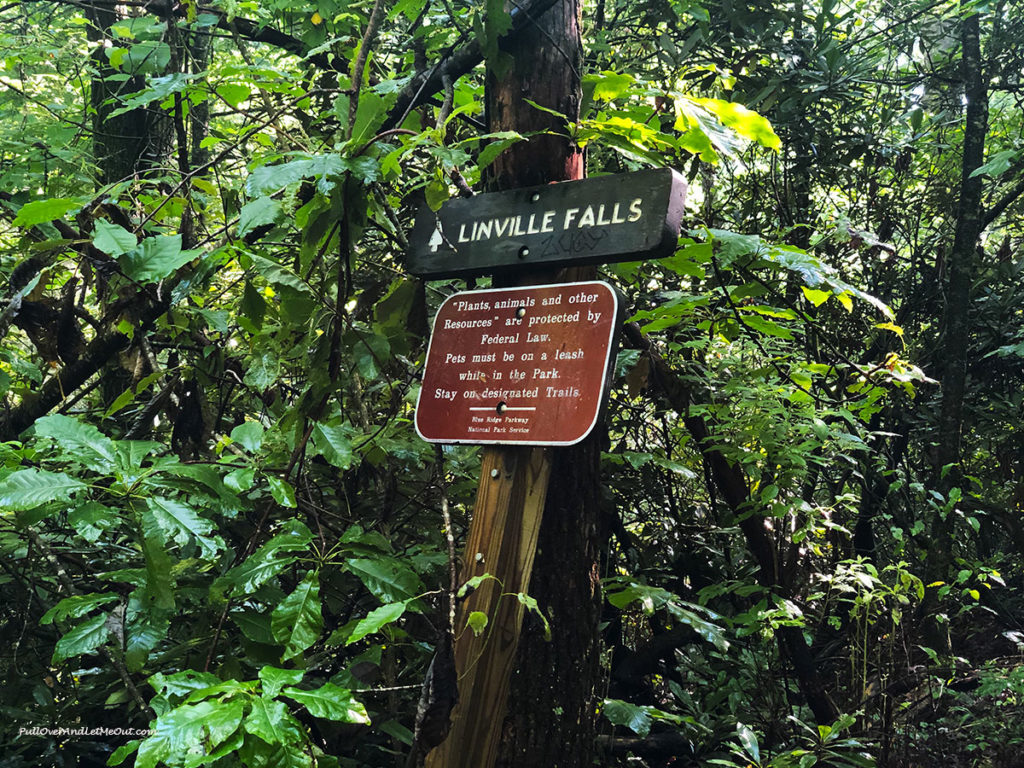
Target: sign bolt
{"points": [[495, 473], [502, 407], [524, 252], [535, 197], [521, 312]]}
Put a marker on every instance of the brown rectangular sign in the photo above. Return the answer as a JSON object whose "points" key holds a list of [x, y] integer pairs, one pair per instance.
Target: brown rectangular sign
{"points": [[624, 217], [518, 365]]}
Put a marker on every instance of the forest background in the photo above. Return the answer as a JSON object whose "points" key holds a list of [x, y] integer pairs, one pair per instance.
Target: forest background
{"points": [[803, 542]]}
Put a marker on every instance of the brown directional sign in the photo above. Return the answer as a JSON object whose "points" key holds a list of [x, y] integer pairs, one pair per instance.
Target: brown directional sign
{"points": [[624, 217], [518, 365]]}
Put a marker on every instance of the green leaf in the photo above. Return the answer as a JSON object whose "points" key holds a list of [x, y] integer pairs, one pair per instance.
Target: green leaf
{"points": [[145, 630], [1000, 163], [370, 114], [282, 491], [271, 721], [92, 518], [262, 210], [275, 679], [270, 178], [270, 559], [334, 444], [745, 122], [766, 326], [388, 579], [249, 435], [189, 731], [85, 637], [42, 211], [749, 741], [75, 606], [233, 94], [180, 522], [121, 753], [278, 275], [816, 297], [609, 86], [297, 622], [155, 259], [331, 703], [628, 715], [29, 488], [377, 619], [113, 239], [78, 441]]}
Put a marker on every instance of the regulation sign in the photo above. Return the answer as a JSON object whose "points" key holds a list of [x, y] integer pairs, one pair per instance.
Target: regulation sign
{"points": [[518, 365], [624, 217]]}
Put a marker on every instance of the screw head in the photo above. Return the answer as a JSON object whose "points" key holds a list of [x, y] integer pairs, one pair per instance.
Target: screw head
{"points": [[502, 407], [524, 252], [521, 312], [535, 197], [495, 473]]}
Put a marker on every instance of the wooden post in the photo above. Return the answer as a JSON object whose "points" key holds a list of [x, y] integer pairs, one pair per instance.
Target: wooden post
{"points": [[510, 501], [502, 542]]}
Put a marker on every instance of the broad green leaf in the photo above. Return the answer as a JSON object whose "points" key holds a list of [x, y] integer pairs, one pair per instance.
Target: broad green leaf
{"points": [[189, 731], [377, 619], [29, 488], [816, 297], [628, 715], [85, 637], [766, 326], [147, 57], [263, 370], [745, 122], [334, 444], [274, 679], [159, 577], [75, 606], [42, 211], [79, 441], [258, 212], [113, 239], [370, 113], [270, 559], [121, 753], [1000, 163], [282, 491], [145, 630], [297, 622], [180, 522], [749, 741], [268, 179], [278, 275], [331, 703], [388, 579], [233, 94], [156, 258], [609, 86], [249, 435], [271, 721], [91, 519], [181, 684]]}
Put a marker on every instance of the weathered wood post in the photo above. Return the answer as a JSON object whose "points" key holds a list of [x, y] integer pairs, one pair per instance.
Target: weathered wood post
{"points": [[538, 501], [546, 62]]}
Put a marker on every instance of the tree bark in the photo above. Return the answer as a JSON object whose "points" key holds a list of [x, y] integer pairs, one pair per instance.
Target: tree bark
{"points": [[555, 681]]}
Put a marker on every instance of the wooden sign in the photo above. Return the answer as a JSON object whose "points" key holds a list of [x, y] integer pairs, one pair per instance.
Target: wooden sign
{"points": [[518, 365], [624, 217]]}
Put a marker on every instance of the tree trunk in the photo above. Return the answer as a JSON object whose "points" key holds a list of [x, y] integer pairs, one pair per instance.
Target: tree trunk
{"points": [[552, 705]]}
